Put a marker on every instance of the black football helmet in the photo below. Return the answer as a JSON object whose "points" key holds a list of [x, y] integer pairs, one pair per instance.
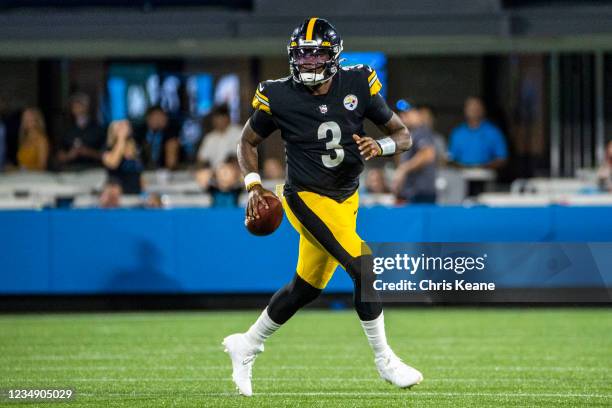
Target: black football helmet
{"points": [[314, 52]]}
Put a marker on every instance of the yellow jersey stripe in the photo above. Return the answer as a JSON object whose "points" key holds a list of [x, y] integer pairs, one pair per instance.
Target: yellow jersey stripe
{"points": [[372, 75], [257, 104], [375, 87], [310, 28], [262, 96], [262, 101], [373, 80]]}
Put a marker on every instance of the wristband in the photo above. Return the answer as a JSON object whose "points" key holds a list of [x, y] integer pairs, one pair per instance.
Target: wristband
{"points": [[251, 179], [387, 146]]}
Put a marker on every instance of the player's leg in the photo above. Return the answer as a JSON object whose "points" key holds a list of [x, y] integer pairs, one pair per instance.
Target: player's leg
{"points": [[333, 225], [314, 269], [369, 308]]}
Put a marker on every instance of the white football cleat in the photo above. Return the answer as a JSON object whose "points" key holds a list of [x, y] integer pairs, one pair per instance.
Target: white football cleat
{"points": [[243, 355], [392, 369]]}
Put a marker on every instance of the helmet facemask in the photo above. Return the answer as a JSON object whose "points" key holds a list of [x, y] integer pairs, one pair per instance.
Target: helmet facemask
{"points": [[313, 65]]}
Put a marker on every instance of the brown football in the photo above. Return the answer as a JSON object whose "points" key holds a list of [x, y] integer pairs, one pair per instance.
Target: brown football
{"points": [[269, 219]]}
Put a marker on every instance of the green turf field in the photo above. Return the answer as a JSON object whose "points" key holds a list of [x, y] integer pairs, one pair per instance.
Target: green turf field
{"points": [[472, 358]]}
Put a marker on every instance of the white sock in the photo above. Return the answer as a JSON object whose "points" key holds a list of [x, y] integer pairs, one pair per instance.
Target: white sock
{"points": [[263, 328], [375, 332]]}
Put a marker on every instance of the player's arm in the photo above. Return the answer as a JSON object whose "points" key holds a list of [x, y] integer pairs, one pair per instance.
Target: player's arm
{"points": [[398, 137], [248, 159], [398, 132]]}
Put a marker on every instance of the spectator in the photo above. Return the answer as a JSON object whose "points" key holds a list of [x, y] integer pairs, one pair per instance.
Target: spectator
{"points": [[375, 181], [225, 188], [111, 194], [121, 158], [273, 169], [203, 176], [33, 149], [221, 143], [428, 117], [83, 144], [415, 177], [158, 140], [604, 175], [153, 200], [11, 120], [477, 142], [3, 135]]}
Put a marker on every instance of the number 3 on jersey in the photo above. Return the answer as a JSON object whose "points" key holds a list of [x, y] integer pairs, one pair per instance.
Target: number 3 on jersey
{"points": [[333, 144]]}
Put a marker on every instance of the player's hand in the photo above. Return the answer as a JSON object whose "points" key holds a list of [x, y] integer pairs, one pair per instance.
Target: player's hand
{"points": [[256, 196], [368, 147], [123, 129]]}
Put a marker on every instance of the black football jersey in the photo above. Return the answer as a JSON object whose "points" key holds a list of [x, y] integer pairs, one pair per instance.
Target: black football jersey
{"points": [[322, 156]]}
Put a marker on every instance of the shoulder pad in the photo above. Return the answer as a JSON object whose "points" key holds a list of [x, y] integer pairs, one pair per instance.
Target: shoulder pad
{"points": [[369, 73], [260, 100]]}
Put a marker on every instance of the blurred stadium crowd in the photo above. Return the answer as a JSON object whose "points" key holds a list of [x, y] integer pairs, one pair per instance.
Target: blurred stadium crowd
{"points": [[143, 164]]}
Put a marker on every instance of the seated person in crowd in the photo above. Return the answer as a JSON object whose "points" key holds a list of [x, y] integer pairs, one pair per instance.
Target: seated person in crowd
{"points": [[604, 175], [222, 183], [111, 194], [3, 135], [33, 148], [203, 176], [83, 143], [273, 169], [415, 177], [221, 143], [121, 158], [375, 181], [153, 200], [428, 118], [477, 142], [158, 140], [10, 122]]}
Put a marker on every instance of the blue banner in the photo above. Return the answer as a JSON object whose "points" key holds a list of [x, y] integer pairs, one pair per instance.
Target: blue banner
{"points": [[401, 270]]}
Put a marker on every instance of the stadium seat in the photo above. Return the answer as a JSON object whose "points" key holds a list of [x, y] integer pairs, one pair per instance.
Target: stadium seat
{"points": [[186, 201], [512, 200]]}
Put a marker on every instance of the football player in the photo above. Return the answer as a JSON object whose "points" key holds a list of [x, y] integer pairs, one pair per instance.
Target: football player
{"points": [[320, 109]]}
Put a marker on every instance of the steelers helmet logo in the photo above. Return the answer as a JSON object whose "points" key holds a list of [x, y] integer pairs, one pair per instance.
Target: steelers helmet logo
{"points": [[350, 102]]}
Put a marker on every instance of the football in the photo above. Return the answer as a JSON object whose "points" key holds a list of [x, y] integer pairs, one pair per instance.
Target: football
{"points": [[269, 219]]}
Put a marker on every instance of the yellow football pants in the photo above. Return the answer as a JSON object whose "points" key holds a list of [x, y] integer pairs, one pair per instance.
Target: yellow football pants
{"points": [[328, 235]]}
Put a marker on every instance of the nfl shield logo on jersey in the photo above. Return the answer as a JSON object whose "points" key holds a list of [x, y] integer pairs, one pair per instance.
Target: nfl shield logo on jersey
{"points": [[350, 102], [323, 109]]}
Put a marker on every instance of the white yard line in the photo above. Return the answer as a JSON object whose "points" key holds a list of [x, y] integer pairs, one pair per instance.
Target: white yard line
{"points": [[301, 380], [367, 394], [189, 367]]}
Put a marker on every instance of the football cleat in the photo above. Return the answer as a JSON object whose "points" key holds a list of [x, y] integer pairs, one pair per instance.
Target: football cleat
{"points": [[243, 355], [392, 369]]}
